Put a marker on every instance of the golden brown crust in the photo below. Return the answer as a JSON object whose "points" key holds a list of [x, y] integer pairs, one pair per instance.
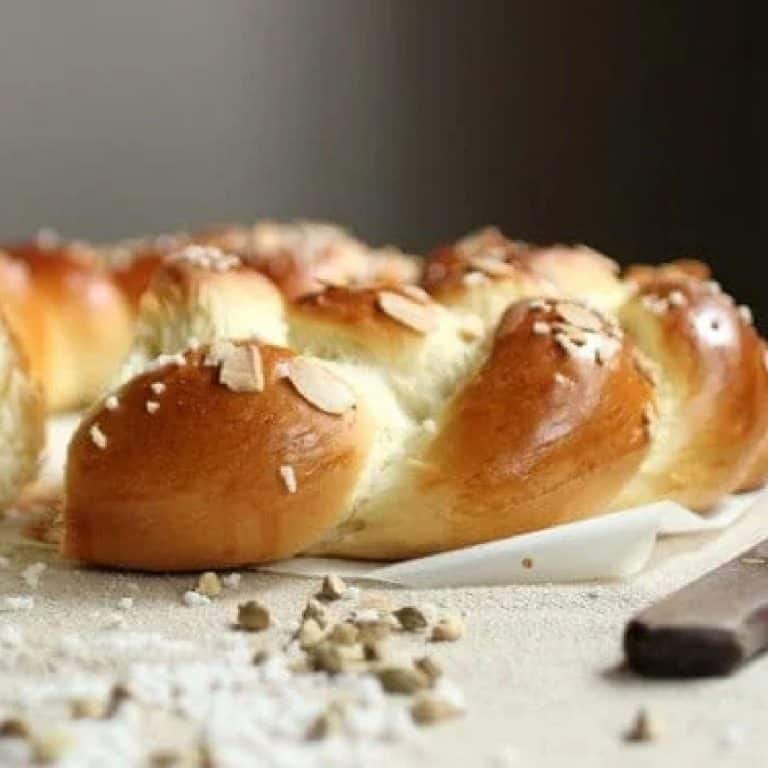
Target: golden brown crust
{"points": [[525, 449], [713, 393], [204, 471], [69, 315]]}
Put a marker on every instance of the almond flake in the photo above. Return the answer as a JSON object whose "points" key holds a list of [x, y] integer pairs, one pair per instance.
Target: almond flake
{"points": [[241, 369], [417, 317], [415, 292], [288, 476], [319, 387], [578, 316], [491, 266]]}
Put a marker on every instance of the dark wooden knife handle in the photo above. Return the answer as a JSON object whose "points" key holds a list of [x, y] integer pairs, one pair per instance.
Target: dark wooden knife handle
{"points": [[707, 628]]}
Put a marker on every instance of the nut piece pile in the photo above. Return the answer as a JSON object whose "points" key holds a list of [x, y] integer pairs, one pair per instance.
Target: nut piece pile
{"points": [[354, 641]]}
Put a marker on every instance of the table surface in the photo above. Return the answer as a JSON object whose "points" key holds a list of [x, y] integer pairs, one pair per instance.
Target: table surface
{"points": [[540, 666]]}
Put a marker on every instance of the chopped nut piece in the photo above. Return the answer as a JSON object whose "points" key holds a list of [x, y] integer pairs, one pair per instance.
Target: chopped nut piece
{"points": [[166, 758], [411, 618], [677, 299], [87, 709], [540, 328], [117, 696], [326, 657], [332, 588], [288, 476], [52, 745], [242, 370], [253, 616], [152, 406], [417, 316], [373, 651], [402, 679], [643, 728], [317, 611], [344, 633], [157, 387], [14, 728], [447, 630], [98, 438], [319, 387], [209, 584], [428, 709], [429, 667], [112, 403], [310, 633], [326, 724]]}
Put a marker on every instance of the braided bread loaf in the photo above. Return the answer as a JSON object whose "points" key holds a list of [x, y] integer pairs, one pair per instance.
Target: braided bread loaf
{"points": [[397, 420]]}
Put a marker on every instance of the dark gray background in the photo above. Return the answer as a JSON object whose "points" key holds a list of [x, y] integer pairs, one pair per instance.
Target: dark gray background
{"points": [[632, 126]]}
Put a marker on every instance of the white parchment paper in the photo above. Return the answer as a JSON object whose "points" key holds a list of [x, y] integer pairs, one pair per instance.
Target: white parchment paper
{"points": [[613, 546]]}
